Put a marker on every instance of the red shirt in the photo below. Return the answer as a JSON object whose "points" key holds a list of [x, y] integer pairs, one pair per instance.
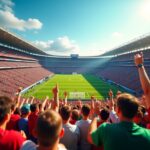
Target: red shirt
{"points": [[32, 119], [13, 122], [148, 126], [148, 112], [10, 140], [73, 122]]}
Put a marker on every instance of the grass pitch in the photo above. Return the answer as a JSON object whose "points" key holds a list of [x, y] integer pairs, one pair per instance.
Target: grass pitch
{"points": [[89, 84]]}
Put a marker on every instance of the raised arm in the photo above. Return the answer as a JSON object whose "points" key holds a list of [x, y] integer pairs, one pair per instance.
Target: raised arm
{"points": [[144, 79], [56, 97], [92, 128], [44, 103], [110, 93], [32, 100], [65, 97]]}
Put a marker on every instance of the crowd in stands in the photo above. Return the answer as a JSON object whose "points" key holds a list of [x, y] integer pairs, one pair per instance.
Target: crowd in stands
{"points": [[8, 53], [18, 64], [11, 79], [122, 70], [120, 123]]}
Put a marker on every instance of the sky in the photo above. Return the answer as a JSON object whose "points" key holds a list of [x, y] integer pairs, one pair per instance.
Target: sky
{"points": [[84, 27]]}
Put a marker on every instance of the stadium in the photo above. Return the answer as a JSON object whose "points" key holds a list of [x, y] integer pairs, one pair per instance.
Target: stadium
{"points": [[89, 76], [63, 84]]}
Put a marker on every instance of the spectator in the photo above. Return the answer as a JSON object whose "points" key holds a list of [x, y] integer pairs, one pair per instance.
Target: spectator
{"points": [[48, 130], [74, 116], [72, 133], [33, 120], [145, 82], [144, 79], [83, 125], [9, 139], [124, 135], [138, 119], [104, 116], [23, 122], [13, 122]]}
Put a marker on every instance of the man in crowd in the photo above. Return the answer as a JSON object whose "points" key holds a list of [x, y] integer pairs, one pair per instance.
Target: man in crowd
{"points": [[83, 125], [49, 131], [23, 122], [9, 139], [32, 120], [72, 133], [125, 134]]}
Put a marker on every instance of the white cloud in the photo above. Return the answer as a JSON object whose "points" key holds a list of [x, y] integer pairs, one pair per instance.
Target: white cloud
{"points": [[44, 45], [60, 46], [6, 5], [117, 35], [9, 21], [144, 10]]}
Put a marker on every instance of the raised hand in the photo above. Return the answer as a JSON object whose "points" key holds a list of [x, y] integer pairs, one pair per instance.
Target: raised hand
{"points": [[56, 89], [65, 94], [138, 59], [110, 93]]}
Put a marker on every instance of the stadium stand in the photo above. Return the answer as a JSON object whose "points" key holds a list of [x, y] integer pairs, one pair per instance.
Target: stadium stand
{"points": [[121, 69], [16, 53]]}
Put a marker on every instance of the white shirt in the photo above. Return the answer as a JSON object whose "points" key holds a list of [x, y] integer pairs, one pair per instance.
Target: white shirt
{"points": [[29, 145], [84, 126]]}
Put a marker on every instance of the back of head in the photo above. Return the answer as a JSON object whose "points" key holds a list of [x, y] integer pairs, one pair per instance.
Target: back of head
{"points": [[75, 115], [17, 111], [49, 125], [25, 109], [65, 112], [34, 107], [86, 110], [128, 105], [5, 107], [104, 114]]}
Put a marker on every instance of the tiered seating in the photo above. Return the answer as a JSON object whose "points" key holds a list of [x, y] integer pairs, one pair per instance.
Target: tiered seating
{"points": [[122, 70], [8, 53], [18, 70], [6, 64], [11, 79]]}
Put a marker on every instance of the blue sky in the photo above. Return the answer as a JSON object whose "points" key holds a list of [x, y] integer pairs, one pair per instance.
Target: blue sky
{"points": [[87, 27]]}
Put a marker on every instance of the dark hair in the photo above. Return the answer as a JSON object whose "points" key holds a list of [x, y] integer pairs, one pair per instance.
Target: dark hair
{"points": [[104, 114], [86, 110], [75, 114], [34, 107], [143, 109], [40, 105], [5, 107], [13, 106], [49, 124], [65, 112], [128, 105], [17, 111]]}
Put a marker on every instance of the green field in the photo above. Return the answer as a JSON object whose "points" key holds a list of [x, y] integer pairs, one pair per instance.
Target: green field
{"points": [[88, 84]]}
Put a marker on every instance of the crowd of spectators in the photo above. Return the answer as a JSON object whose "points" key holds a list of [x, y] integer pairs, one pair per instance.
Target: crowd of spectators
{"points": [[120, 123]]}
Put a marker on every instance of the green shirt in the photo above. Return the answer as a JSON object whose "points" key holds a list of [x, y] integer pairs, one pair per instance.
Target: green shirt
{"points": [[122, 136]]}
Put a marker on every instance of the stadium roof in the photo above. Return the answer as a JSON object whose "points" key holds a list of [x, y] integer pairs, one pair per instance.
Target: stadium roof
{"points": [[14, 41], [10, 39], [140, 43]]}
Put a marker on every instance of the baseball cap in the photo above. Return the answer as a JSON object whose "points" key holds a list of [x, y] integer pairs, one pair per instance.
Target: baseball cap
{"points": [[25, 108]]}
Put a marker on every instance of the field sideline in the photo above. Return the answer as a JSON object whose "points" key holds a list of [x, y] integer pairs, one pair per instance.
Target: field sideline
{"points": [[89, 84]]}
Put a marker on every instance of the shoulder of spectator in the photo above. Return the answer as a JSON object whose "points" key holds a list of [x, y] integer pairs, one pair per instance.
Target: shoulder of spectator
{"points": [[28, 145]]}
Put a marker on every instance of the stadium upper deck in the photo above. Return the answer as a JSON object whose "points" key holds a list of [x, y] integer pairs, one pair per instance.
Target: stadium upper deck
{"points": [[13, 41], [138, 44], [9, 39]]}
